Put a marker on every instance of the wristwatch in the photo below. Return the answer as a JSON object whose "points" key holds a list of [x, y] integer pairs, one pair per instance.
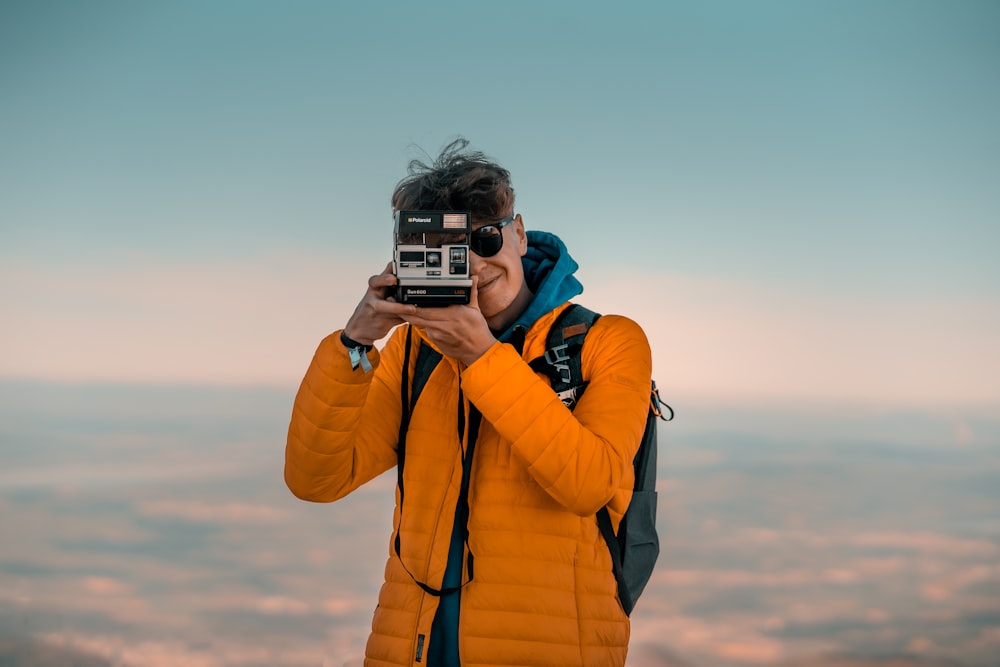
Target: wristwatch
{"points": [[358, 352]]}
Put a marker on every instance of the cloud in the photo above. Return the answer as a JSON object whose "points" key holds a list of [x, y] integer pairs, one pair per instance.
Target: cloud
{"points": [[918, 541], [844, 660], [926, 542], [105, 586], [745, 578], [28, 652], [739, 639], [101, 650], [653, 655], [205, 512], [758, 650], [224, 572], [281, 605], [945, 587]]}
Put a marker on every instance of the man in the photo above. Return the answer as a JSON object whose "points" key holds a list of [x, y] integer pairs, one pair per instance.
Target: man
{"points": [[496, 557]]}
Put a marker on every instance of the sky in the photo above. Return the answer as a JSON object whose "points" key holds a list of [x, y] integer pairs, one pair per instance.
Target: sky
{"points": [[795, 199]]}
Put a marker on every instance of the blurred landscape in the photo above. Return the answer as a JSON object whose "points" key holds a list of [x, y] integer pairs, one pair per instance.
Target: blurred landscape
{"points": [[150, 526]]}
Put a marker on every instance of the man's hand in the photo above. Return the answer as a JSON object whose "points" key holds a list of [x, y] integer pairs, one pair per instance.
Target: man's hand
{"points": [[378, 312], [459, 331]]}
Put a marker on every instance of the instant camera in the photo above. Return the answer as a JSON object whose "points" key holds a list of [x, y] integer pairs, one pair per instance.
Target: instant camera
{"points": [[431, 258]]}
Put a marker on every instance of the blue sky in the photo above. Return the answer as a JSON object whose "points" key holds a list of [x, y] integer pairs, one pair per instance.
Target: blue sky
{"points": [[835, 160]]}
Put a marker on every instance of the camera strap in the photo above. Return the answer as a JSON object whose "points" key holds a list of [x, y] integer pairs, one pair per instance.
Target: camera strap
{"points": [[427, 360]]}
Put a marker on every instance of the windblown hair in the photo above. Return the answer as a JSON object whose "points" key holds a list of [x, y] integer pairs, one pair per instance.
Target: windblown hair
{"points": [[457, 180]]}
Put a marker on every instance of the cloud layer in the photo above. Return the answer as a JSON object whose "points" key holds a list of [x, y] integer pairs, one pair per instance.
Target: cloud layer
{"points": [[176, 543]]}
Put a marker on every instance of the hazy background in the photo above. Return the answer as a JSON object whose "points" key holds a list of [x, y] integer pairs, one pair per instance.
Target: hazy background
{"points": [[798, 201]]}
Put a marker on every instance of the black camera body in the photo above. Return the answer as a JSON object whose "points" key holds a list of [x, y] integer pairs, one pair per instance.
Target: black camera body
{"points": [[431, 257]]}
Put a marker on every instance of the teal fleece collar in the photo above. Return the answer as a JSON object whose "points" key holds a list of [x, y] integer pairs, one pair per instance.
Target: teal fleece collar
{"points": [[549, 269]]}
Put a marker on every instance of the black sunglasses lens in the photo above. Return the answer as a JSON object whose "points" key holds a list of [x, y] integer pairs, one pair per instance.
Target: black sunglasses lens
{"points": [[487, 241]]}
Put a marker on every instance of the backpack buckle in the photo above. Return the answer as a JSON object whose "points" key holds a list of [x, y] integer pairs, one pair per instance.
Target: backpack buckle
{"points": [[569, 397]]}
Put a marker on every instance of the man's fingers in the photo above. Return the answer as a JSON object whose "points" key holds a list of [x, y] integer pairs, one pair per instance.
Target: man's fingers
{"points": [[401, 310], [382, 281]]}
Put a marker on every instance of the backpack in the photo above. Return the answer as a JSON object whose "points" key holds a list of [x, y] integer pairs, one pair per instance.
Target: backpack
{"points": [[635, 547]]}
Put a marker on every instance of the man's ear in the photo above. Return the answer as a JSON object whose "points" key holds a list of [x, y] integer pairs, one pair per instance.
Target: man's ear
{"points": [[522, 236]]}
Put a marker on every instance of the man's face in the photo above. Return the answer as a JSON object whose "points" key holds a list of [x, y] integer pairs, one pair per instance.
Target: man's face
{"points": [[501, 276]]}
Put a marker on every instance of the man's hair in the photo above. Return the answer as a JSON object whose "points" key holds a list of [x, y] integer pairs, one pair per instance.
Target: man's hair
{"points": [[457, 180]]}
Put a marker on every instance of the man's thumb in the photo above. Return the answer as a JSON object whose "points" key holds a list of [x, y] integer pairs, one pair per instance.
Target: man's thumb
{"points": [[474, 297]]}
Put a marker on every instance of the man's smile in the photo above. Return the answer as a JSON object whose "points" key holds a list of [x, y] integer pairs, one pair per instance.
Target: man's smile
{"points": [[489, 283]]}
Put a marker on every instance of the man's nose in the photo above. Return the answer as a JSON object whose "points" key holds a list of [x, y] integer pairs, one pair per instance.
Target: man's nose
{"points": [[476, 263]]}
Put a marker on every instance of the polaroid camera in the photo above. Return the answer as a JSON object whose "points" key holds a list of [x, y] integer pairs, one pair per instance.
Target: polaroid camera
{"points": [[431, 257]]}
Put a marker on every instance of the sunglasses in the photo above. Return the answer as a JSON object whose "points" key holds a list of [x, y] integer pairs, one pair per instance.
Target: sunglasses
{"points": [[488, 239]]}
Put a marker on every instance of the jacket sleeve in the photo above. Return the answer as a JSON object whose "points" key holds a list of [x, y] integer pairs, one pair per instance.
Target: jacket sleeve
{"points": [[579, 457], [344, 423]]}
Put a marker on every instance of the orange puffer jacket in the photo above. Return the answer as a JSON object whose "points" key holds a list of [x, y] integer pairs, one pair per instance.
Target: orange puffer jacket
{"points": [[542, 592]]}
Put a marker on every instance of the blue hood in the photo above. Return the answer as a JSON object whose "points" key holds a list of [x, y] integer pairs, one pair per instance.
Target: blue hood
{"points": [[548, 269]]}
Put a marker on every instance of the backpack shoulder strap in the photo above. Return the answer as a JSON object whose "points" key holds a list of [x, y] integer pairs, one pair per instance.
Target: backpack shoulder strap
{"points": [[427, 361], [561, 361]]}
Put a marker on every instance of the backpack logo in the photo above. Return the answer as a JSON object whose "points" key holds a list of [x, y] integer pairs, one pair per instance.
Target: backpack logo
{"points": [[557, 358]]}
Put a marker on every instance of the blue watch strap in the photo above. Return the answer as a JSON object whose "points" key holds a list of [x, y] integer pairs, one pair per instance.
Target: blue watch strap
{"points": [[358, 353]]}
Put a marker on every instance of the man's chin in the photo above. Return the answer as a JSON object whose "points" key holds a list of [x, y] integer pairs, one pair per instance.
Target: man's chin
{"points": [[487, 306]]}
